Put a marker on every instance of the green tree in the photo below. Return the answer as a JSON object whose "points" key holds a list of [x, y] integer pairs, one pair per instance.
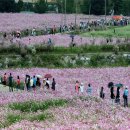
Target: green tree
{"points": [[7, 6], [41, 6], [85, 6], [97, 7], [20, 5], [70, 6], [118, 6], [126, 7]]}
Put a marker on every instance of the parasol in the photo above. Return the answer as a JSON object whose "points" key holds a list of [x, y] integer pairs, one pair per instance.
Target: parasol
{"points": [[38, 76], [110, 84], [118, 85], [48, 76]]}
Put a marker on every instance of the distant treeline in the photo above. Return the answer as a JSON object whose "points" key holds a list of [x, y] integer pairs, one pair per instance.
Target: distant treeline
{"points": [[96, 7]]}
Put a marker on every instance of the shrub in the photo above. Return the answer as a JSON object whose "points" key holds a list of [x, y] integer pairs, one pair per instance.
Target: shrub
{"points": [[32, 106]]}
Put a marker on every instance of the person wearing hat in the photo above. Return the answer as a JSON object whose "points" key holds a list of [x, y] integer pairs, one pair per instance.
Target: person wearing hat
{"points": [[81, 88], [125, 96]]}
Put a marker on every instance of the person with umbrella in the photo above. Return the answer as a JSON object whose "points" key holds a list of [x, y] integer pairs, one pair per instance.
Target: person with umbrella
{"points": [[112, 94], [47, 83], [117, 100], [47, 76]]}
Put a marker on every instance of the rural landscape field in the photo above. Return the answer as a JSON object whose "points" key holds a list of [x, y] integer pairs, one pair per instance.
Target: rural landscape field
{"points": [[64, 66]]}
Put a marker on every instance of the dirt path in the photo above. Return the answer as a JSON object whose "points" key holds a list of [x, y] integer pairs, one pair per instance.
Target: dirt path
{"points": [[3, 88]]}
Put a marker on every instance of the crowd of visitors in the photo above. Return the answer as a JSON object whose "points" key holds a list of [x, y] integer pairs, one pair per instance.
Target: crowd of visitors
{"points": [[34, 83], [30, 84], [15, 36], [115, 98], [82, 26]]}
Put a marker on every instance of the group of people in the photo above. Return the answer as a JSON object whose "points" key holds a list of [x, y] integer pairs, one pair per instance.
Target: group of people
{"points": [[31, 83], [79, 88], [116, 97]]}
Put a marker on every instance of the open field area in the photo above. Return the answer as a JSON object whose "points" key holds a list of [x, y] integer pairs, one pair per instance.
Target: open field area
{"points": [[122, 32], [75, 110], [12, 22], [81, 55]]}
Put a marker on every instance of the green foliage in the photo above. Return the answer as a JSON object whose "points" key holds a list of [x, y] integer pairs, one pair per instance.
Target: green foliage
{"points": [[7, 6], [19, 6], [32, 106], [120, 32], [98, 6], [41, 117], [54, 58], [118, 6], [40, 6], [12, 118], [96, 60]]}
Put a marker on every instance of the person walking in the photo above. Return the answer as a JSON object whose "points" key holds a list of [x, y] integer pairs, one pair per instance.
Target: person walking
{"points": [[10, 83], [89, 89], [27, 82], [112, 95], [18, 83], [49, 42], [38, 82], [82, 88], [47, 83], [5, 79], [31, 83], [34, 83], [54, 29], [44, 84], [33, 32], [77, 87], [117, 100], [53, 84], [102, 94], [125, 96]]}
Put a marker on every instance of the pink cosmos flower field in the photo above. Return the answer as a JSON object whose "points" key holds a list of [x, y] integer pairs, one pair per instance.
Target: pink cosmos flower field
{"points": [[66, 78], [22, 21], [64, 40], [85, 115]]}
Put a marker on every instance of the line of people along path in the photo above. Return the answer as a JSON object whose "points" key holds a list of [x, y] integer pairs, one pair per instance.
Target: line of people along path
{"points": [[33, 83]]}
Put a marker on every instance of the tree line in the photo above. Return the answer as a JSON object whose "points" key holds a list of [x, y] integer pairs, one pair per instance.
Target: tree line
{"points": [[96, 7], [12, 6]]}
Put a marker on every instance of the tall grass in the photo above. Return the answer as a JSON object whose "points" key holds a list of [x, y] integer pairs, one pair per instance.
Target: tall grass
{"points": [[119, 32], [32, 106]]}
